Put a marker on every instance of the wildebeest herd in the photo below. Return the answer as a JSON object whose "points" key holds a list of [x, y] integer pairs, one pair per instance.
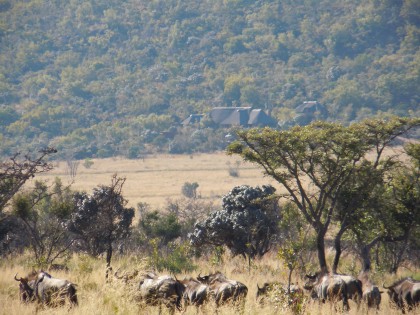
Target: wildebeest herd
{"points": [[174, 294]]}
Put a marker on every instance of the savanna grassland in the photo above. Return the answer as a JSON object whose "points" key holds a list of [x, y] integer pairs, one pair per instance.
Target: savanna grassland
{"points": [[97, 297], [158, 177], [154, 180]]}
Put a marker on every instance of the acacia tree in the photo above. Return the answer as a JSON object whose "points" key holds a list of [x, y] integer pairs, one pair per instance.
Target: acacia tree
{"points": [[101, 218], [15, 173], [42, 212], [363, 194], [314, 163], [405, 217], [246, 224]]}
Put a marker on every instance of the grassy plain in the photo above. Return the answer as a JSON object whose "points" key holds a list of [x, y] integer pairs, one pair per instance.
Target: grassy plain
{"points": [[153, 180], [156, 178], [96, 297]]}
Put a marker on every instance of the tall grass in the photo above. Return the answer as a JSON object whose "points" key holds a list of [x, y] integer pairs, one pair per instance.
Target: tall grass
{"points": [[96, 296]]}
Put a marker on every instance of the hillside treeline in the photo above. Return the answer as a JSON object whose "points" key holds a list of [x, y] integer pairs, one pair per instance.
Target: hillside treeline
{"points": [[104, 78]]}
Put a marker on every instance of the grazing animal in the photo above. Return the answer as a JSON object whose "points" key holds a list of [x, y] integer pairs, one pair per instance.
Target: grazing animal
{"points": [[157, 290], [327, 287], [27, 287], [371, 293], [354, 287], [196, 293], [405, 293], [126, 276], [52, 291], [223, 289], [271, 290]]}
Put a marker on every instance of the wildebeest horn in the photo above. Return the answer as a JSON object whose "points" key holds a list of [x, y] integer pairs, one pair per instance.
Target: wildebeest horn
{"points": [[116, 274], [383, 285], [310, 276], [258, 287], [17, 278]]}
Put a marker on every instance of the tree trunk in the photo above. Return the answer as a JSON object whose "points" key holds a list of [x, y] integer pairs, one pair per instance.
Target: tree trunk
{"points": [[337, 246], [320, 245], [365, 255], [108, 260]]}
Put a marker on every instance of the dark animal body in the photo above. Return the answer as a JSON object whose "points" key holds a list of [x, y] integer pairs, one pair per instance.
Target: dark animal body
{"points": [[161, 290], [327, 287], [354, 287], [27, 287], [371, 293], [224, 290], [196, 293], [405, 293]]}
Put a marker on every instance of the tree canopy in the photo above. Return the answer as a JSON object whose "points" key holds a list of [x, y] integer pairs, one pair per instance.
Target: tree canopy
{"points": [[315, 163], [246, 224]]}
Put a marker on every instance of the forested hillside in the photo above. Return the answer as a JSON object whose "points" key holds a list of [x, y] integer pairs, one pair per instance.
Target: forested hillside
{"points": [[105, 77]]}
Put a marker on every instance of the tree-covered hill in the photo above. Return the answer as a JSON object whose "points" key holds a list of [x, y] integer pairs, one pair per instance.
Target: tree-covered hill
{"points": [[105, 77]]}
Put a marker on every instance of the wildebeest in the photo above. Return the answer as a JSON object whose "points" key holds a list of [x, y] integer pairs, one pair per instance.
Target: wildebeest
{"points": [[224, 289], [196, 293], [371, 293], [324, 286], [126, 276], [354, 287], [157, 290], [405, 293], [27, 287], [52, 291], [271, 290]]}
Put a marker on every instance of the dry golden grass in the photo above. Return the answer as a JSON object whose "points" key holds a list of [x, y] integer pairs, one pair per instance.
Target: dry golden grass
{"points": [[157, 178], [153, 180], [96, 297]]}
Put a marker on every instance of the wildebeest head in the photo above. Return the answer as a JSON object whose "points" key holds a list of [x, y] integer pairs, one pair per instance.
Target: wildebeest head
{"points": [[405, 292], [26, 288], [313, 280], [224, 289], [263, 290], [324, 286], [371, 293], [217, 276], [126, 276]]}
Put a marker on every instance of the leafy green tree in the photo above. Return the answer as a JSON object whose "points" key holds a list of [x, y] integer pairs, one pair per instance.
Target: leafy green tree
{"points": [[156, 225], [42, 212], [247, 223], [315, 162], [364, 195], [101, 219], [189, 190], [405, 190]]}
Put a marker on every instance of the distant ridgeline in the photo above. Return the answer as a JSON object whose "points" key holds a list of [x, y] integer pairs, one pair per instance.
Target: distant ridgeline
{"points": [[105, 78]]}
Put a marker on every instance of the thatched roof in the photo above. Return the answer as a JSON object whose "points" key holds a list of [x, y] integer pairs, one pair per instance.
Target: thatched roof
{"points": [[219, 114], [192, 119]]}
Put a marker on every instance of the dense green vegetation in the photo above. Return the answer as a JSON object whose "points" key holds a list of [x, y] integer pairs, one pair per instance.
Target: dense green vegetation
{"points": [[103, 78]]}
